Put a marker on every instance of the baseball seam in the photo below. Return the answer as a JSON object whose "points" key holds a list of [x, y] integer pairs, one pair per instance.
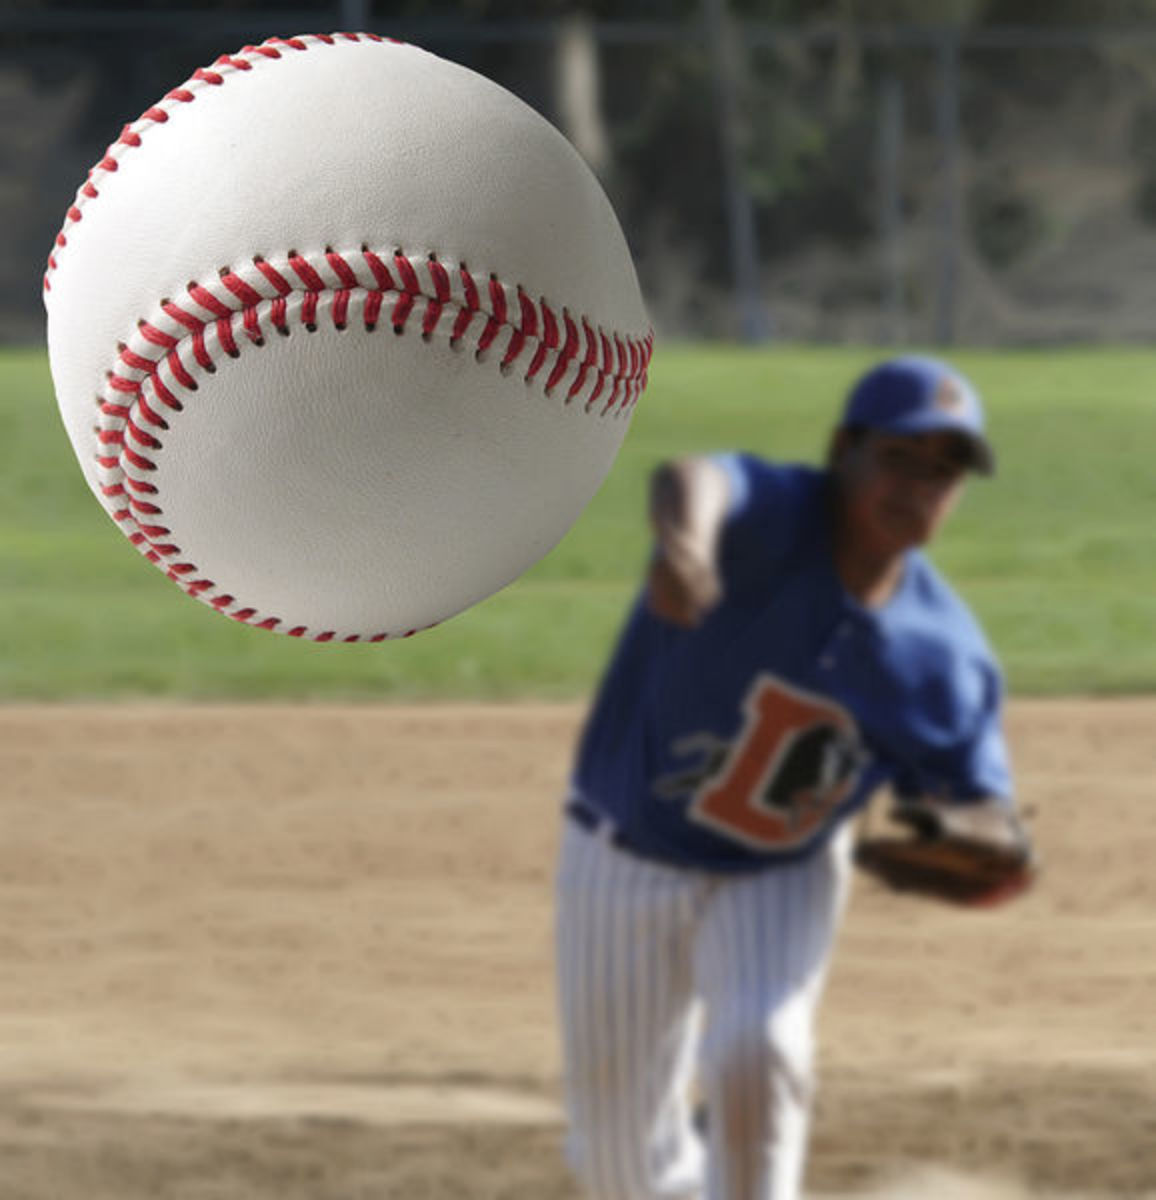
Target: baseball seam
{"points": [[132, 134], [160, 365], [156, 371]]}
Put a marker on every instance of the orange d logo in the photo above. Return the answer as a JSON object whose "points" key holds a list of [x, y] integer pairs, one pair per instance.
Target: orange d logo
{"points": [[948, 397], [794, 762]]}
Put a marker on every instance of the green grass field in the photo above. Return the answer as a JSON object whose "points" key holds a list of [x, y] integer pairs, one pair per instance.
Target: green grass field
{"points": [[1057, 556]]}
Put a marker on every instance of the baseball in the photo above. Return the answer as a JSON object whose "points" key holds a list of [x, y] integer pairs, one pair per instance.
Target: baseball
{"points": [[344, 336]]}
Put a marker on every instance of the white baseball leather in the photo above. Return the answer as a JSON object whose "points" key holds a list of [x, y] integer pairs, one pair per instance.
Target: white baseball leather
{"points": [[222, 304]]}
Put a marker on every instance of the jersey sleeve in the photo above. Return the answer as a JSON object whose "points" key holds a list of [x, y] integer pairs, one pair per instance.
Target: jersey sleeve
{"points": [[760, 524], [972, 767]]}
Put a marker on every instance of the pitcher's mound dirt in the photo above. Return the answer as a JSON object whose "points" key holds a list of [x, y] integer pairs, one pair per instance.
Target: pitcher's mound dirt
{"points": [[304, 953]]}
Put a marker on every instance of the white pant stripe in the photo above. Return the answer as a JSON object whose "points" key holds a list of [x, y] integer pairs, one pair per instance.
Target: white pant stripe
{"points": [[627, 1079], [639, 945]]}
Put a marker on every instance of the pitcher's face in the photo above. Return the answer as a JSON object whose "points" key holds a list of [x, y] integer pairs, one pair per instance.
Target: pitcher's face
{"points": [[899, 489]]}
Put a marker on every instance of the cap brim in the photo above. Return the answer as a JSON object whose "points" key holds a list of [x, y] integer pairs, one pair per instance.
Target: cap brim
{"points": [[982, 455]]}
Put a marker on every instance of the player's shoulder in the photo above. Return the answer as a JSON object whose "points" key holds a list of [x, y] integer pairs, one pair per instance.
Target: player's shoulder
{"points": [[940, 648], [934, 607], [947, 672]]}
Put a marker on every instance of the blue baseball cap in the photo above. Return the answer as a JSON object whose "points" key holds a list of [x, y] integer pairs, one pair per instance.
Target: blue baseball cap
{"points": [[920, 395]]}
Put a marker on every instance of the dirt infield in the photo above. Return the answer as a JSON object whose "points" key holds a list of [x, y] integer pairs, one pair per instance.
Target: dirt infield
{"points": [[301, 953]]}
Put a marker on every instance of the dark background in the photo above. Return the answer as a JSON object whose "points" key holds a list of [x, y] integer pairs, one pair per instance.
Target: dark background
{"points": [[980, 172]]}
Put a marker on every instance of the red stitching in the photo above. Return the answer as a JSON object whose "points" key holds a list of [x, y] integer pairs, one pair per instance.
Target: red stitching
{"points": [[165, 396], [141, 463], [556, 374], [578, 384], [253, 327], [340, 268], [133, 428], [151, 417], [549, 326], [201, 351], [491, 331], [152, 334], [470, 289], [514, 349], [340, 307], [401, 311], [461, 324], [206, 299], [570, 346], [372, 309], [180, 374], [126, 426], [529, 314], [497, 300], [123, 385], [538, 359], [214, 76], [305, 272], [615, 388], [240, 289], [309, 311], [607, 354], [380, 272], [591, 357], [433, 314], [179, 315], [283, 286], [441, 280], [135, 361], [565, 357], [408, 276]]}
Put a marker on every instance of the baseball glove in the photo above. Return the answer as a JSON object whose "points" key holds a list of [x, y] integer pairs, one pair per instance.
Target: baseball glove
{"points": [[978, 855]]}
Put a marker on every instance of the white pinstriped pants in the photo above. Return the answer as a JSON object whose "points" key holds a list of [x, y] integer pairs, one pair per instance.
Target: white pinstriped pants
{"points": [[645, 952]]}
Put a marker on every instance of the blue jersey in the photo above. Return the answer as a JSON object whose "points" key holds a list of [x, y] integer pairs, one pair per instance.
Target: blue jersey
{"points": [[746, 741]]}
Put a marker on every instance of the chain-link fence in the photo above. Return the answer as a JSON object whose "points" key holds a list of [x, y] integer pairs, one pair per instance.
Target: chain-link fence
{"points": [[890, 184]]}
